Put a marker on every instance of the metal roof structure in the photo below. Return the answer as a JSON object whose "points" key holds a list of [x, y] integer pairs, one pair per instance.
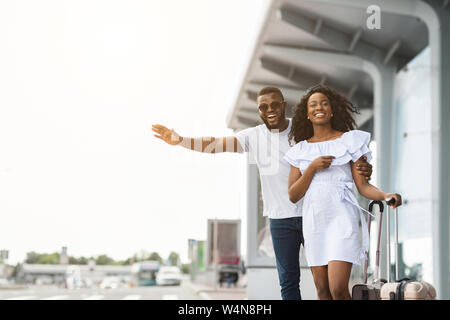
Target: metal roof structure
{"points": [[303, 42], [358, 47]]}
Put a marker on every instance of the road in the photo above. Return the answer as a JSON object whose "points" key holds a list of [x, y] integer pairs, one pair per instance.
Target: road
{"points": [[182, 292]]}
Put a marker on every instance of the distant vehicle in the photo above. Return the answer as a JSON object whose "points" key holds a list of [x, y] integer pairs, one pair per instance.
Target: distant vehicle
{"points": [[228, 241], [143, 273], [110, 283], [168, 275], [229, 274]]}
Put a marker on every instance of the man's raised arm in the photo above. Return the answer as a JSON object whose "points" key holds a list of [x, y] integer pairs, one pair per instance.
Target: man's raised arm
{"points": [[202, 144]]}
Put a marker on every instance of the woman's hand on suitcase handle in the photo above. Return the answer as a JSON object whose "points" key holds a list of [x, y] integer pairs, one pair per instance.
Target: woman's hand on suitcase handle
{"points": [[394, 200], [321, 163]]}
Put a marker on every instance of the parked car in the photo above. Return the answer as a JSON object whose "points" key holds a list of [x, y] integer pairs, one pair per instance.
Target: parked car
{"points": [[168, 275], [110, 283], [229, 274]]}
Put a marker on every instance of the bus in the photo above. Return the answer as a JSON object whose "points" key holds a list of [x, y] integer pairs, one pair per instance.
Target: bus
{"points": [[143, 273]]}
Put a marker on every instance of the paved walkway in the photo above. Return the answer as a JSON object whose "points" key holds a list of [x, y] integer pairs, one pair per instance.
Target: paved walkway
{"points": [[207, 292]]}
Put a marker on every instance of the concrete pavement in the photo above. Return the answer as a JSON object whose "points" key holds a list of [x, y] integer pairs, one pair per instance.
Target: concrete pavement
{"points": [[51, 292], [208, 292]]}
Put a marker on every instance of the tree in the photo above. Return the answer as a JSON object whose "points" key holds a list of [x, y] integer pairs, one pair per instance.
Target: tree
{"points": [[128, 261], [132, 260], [83, 260], [52, 258], [73, 260], [32, 257], [42, 258], [173, 258], [80, 260], [104, 260], [155, 257], [185, 268]]}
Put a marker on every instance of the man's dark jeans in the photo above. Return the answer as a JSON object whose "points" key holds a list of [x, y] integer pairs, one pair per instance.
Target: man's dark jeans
{"points": [[287, 236]]}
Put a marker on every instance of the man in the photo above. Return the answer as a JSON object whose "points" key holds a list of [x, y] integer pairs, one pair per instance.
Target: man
{"points": [[268, 143]]}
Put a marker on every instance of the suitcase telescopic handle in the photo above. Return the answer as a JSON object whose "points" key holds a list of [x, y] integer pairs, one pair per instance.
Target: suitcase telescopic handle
{"points": [[389, 202], [378, 202], [377, 261]]}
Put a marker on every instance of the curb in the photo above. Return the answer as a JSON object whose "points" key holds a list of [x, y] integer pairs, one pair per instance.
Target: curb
{"points": [[199, 292], [13, 288], [204, 293]]}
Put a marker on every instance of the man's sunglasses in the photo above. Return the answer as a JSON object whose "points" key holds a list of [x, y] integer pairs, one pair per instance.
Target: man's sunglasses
{"points": [[275, 105]]}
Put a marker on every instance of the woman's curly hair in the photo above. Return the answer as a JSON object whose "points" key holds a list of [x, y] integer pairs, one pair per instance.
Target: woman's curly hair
{"points": [[341, 107]]}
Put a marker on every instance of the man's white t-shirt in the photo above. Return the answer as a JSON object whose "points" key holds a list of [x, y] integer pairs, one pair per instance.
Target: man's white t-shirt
{"points": [[267, 149]]}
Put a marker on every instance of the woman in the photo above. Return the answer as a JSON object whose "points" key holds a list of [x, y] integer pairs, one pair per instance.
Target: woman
{"points": [[323, 171]]}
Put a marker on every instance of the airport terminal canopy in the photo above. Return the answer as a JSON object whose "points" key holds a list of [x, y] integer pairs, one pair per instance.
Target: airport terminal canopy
{"points": [[304, 43], [361, 48]]}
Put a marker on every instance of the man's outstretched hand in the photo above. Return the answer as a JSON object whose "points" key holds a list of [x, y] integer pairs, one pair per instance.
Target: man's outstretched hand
{"points": [[168, 136]]}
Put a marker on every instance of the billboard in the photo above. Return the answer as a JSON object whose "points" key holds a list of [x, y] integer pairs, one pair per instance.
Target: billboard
{"points": [[191, 249], [201, 255], [228, 240]]}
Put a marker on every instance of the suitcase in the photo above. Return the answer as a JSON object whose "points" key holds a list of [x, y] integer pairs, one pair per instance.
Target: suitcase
{"points": [[371, 291], [403, 289], [407, 289]]}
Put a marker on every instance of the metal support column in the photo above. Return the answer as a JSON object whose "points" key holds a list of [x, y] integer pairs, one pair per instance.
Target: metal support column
{"points": [[252, 211], [436, 15], [439, 27]]}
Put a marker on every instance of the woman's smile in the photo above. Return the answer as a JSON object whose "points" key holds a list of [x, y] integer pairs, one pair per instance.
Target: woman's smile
{"points": [[319, 108], [319, 115]]}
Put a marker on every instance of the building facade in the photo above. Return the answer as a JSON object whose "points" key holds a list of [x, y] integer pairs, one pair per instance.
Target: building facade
{"points": [[392, 59]]}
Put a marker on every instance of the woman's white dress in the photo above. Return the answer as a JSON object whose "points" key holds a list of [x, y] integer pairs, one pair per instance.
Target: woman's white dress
{"points": [[330, 210]]}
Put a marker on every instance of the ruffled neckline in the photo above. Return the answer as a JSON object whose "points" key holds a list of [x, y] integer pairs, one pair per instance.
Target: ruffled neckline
{"points": [[350, 146], [326, 140]]}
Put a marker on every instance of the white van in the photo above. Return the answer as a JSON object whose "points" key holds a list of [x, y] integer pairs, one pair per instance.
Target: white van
{"points": [[168, 275]]}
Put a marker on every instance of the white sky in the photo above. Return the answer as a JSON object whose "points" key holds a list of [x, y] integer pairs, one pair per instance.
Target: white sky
{"points": [[81, 82]]}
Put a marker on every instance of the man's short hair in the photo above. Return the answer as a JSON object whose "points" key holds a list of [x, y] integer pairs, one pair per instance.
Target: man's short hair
{"points": [[267, 90]]}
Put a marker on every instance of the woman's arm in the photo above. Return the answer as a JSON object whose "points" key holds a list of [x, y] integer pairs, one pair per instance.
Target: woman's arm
{"points": [[371, 192], [298, 183]]}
